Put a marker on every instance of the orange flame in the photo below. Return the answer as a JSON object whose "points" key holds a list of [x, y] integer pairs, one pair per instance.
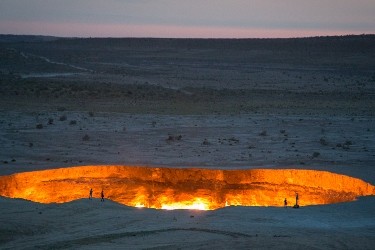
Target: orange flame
{"points": [[172, 188]]}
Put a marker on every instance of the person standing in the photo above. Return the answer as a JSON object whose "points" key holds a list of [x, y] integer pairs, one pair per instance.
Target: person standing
{"points": [[102, 195], [297, 199], [285, 203], [90, 197]]}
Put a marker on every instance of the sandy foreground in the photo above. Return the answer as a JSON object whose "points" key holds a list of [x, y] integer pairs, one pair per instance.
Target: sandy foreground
{"points": [[91, 224], [208, 104]]}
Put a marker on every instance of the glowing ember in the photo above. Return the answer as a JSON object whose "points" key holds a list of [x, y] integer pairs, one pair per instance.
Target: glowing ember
{"points": [[139, 205], [171, 188], [197, 204]]}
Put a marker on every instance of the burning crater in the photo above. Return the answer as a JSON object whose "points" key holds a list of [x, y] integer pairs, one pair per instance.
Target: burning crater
{"points": [[172, 188]]}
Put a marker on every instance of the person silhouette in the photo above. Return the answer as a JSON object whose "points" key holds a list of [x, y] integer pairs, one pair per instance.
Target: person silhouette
{"points": [[90, 197], [102, 195], [285, 203], [297, 199]]}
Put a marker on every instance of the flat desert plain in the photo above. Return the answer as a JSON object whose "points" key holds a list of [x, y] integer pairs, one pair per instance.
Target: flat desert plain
{"points": [[306, 103]]}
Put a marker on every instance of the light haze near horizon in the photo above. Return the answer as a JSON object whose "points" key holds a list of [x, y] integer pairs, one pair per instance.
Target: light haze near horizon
{"points": [[193, 18]]}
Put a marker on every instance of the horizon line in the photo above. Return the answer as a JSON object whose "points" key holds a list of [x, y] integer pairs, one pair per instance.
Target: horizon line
{"points": [[182, 38]]}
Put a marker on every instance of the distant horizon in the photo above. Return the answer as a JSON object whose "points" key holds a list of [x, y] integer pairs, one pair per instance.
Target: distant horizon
{"points": [[187, 19], [198, 38]]}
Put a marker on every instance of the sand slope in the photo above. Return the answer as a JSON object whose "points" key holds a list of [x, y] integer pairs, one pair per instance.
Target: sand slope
{"points": [[86, 224]]}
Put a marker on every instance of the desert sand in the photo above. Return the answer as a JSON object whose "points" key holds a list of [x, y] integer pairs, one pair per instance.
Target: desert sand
{"points": [[220, 104], [86, 224]]}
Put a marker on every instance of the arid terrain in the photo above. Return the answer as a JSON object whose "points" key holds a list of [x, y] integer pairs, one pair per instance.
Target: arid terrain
{"points": [[304, 103]]}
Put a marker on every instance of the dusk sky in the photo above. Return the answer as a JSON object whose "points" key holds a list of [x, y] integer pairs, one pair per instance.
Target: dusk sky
{"points": [[188, 18]]}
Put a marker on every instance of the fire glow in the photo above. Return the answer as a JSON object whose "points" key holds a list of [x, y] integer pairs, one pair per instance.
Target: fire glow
{"points": [[185, 188]]}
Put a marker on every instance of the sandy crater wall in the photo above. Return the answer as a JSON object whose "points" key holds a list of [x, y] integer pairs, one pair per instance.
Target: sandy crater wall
{"points": [[184, 188]]}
